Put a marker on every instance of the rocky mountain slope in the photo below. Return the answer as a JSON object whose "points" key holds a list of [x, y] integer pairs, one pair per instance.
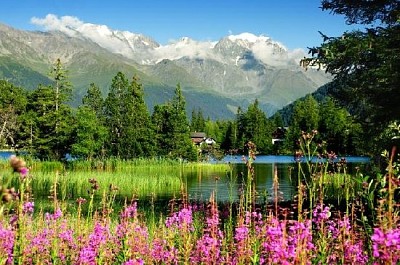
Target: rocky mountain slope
{"points": [[217, 77]]}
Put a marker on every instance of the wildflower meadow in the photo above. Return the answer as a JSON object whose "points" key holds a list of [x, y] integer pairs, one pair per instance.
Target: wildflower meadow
{"points": [[310, 231]]}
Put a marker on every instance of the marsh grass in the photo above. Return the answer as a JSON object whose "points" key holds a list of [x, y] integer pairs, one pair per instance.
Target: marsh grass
{"points": [[142, 177]]}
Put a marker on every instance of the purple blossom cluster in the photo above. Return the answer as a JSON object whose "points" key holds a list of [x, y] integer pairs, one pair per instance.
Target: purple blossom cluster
{"points": [[208, 247], [7, 237], [28, 207], [181, 220], [195, 237], [386, 246]]}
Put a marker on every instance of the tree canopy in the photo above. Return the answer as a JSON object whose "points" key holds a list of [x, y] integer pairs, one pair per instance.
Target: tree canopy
{"points": [[365, 63]]}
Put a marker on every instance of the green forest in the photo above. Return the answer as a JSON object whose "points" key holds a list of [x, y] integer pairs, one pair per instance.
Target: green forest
{"points": [[120, 125]]}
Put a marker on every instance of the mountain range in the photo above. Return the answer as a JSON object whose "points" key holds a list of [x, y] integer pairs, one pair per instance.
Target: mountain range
{"points": [[216, 77]]}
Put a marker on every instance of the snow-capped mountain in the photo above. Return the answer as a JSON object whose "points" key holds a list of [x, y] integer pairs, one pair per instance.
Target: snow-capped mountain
{"points": [[235, 69]]}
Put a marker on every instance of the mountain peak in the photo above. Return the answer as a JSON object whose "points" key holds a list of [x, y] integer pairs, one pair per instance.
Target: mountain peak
{"points": [[249, 37]]}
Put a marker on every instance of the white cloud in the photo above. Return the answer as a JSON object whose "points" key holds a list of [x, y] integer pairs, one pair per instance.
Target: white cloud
{"points": [[66, 24], [269, 54], [185, 47], [297, 54]]}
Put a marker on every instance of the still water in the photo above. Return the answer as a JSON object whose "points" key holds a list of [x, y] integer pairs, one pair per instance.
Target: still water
{"points": [[228, 185]]}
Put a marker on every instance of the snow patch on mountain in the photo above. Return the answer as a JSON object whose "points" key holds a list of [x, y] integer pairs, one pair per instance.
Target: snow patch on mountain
{"points": [[185, 47], [145, 50], [122, 42]]}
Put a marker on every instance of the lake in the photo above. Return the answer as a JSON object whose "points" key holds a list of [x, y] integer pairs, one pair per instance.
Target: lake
{"points": [[229, 184]]}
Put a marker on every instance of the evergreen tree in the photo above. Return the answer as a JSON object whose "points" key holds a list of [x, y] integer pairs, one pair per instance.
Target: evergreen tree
{"points": [[305, 118], [365, 63], [90, 134], [138, 124], [334, 126], [52, 133], [130, 128], [181, 143], [94, 100], [13, 102], [114, 111], [90, 130], [51, 136], [228, 140], [62, 87], [161, 119], [257, 128], [239, 134], [198, 122], [172, 128]]}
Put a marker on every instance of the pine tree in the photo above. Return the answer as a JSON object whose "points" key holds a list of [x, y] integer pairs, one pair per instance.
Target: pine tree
{"points": [[172, 127], [140, 132], [52, 138], [90, 131], [130, 128], [13, 102], [114, 111], [364, 63], [94, 100], [257, 128]]}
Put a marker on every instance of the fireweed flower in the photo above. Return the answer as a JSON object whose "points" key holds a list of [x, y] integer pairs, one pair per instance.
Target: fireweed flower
{"points": [[275, 244], [134, 262], [386, 245], [97, 238], [208, 247], [208, 250], [28, 207], [39, 246], [23, 171], [137, 239], [182, 220], [321, 214], [161, 253], [52, 217], [7, 237], [129, 212]]}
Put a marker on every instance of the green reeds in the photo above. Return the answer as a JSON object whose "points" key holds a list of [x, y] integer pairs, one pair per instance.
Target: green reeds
{"points": [[75, 184]]}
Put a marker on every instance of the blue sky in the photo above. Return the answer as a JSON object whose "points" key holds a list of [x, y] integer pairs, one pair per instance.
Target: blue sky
{"points": [[294, 23]]}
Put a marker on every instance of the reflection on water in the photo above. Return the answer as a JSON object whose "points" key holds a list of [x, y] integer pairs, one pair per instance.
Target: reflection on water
{"points": [[228, 186], [199, 183]]}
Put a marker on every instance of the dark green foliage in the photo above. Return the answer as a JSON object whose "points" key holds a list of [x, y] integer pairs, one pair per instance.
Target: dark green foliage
{"points": [[257, 128], [94, 100], [198, 123], [365, 63], [90, 134], [365, 11], [12, 105], [49, 130], [62, 88], [333, 123], [172, 128], [228, 141], [114, 111], [130, 130]]}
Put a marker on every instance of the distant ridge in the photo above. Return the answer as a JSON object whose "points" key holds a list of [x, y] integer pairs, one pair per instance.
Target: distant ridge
{"points": [[216, 76]]}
